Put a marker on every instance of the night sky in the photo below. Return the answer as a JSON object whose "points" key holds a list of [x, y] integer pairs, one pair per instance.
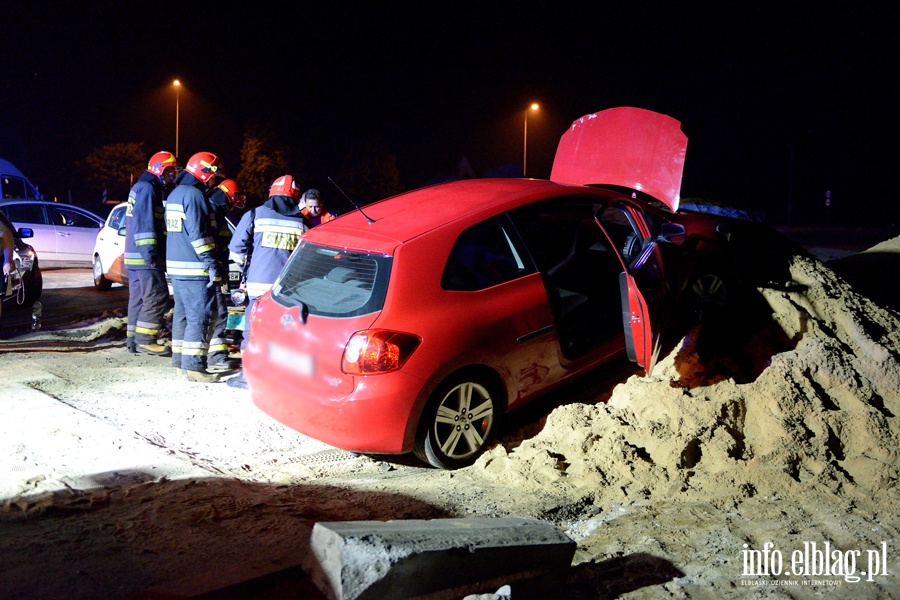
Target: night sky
{"points": [[779, 104]]}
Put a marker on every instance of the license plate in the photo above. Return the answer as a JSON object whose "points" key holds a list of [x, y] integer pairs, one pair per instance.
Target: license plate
{"points": [[234, 276], [299, 362]]}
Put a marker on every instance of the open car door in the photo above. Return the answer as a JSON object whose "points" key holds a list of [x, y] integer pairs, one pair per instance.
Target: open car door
{"points": [[644, 151], [642, 284]]}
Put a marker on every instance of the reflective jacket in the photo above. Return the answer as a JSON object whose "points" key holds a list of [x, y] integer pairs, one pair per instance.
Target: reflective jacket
{"points": [[268, 234], [145, 233], [190, 230], [311, 222]]}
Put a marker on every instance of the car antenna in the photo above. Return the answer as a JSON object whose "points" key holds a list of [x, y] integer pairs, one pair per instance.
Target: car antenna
{"points": [[351, 201]]}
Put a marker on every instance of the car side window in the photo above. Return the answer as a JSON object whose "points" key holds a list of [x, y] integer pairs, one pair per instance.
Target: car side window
{"points": [[620, 226], [70, 218], [26, 213], [13, 187], [485, 255], [118, 218]]}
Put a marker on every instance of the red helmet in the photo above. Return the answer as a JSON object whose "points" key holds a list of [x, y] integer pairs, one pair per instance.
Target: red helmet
{"points": [[285, 185], [161, 161], [232, 190], [204, 166]]}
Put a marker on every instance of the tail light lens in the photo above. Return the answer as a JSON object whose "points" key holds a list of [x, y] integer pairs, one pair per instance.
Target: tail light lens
{"points": [[374, 351]]}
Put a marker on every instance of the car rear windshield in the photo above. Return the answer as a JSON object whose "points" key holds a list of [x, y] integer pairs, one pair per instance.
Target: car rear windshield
{"points": [[332, 282]]}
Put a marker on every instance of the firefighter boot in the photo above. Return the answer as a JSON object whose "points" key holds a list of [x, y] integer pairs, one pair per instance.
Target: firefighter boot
{"points": [[202, 376], [154, 349], [226, 365]]}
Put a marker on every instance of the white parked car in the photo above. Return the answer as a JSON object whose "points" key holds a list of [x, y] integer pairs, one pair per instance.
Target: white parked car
{"points": [[64, 234], [109, 249]]}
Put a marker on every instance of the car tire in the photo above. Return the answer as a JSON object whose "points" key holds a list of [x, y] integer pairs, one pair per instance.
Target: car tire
{"points": [[709, 292], [100, 280], [458, 422]]}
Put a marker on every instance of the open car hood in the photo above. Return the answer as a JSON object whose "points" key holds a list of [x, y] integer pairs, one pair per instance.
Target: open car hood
{"points": [[629, 147]]}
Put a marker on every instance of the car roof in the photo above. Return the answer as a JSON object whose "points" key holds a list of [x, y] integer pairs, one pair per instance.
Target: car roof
{"points": [[401, 218]]}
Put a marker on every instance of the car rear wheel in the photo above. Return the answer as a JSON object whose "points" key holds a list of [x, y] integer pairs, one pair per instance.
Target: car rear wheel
{"points": [[459, 422], [100, 280]]}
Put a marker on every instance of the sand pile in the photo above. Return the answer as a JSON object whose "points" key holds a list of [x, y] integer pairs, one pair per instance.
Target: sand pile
{"points": [[795, 393]]}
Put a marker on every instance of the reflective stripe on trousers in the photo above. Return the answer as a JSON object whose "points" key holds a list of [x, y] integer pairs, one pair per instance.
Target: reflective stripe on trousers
{"points": [[218, 342], [194, 305], [148, 301]]}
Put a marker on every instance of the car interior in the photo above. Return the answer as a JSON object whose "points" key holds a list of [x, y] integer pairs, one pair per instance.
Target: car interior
{"points": [[579, 269]]}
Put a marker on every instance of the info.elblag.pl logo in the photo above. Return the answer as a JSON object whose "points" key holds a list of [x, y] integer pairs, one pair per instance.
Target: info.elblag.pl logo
{"points": [[816, 560]]}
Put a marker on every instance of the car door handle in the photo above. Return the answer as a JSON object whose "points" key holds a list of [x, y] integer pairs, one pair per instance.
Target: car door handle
{"points": [[524, 339]]}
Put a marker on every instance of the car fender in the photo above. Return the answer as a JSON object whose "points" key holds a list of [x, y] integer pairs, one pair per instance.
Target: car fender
{"points": [[440, 375]]}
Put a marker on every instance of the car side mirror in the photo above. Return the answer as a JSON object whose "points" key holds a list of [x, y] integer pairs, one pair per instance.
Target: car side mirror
{"points": [[121, 231], [25, 232], [672, 233]]}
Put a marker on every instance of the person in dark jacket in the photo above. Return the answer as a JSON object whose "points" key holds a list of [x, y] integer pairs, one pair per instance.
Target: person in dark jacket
{"points": [[222, 198], [263, 241], [145, 256], [191, 264]]}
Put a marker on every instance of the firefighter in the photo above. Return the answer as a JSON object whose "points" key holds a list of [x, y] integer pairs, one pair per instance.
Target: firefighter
{"points": [[191, 264], [314, 213], [262, 243], [223, 198], [145, 255]]}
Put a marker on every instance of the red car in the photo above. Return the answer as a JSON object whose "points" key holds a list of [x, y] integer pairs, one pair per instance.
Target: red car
{"points": [[416, 323]]}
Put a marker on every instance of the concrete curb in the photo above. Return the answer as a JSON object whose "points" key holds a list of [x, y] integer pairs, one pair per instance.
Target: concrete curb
{"points": [[436, 559]]}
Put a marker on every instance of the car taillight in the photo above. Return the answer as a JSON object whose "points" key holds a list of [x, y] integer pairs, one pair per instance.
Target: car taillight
{"points": [[377, 351]]}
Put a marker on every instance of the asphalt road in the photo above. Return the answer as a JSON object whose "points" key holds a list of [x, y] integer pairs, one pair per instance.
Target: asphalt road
{"points": [[69, 299]]}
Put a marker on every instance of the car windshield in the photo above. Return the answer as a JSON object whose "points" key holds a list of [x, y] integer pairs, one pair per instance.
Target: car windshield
{"points": [[332, 282]]}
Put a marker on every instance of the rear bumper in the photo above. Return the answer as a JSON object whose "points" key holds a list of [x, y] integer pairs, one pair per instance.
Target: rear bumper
{"points": [[373, 417]]}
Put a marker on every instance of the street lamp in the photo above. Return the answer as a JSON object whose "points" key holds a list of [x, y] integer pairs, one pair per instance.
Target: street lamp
{"points": [[177, 85], [534, 106]]}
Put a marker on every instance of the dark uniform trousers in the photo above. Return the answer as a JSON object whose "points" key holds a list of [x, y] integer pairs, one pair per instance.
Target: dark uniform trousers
{"points": [[218, 342], [247, 309], [194, 307], [148, 301]]}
